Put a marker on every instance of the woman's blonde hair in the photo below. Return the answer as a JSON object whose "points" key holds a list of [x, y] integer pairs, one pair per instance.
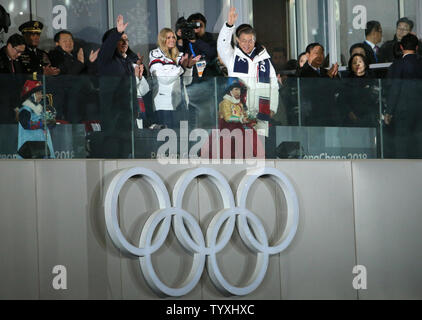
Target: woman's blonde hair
{"points": [[172, 54]]}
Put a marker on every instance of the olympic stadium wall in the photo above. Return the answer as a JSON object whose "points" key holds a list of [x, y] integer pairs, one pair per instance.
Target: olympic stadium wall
{"points": [[351, 213]]}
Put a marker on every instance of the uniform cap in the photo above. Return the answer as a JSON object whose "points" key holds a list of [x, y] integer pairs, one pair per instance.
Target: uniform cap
{"points": [[31, 26]]}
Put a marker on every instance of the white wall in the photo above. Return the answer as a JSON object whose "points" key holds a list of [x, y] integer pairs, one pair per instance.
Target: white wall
{"points": [[361, 212]]}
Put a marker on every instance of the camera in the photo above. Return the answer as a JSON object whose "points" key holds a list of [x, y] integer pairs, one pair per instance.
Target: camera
{"points": [[187, 28], [4, 20]]}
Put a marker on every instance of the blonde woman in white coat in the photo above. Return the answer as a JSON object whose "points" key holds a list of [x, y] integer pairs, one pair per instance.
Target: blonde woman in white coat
{"points": [[171, 72]]}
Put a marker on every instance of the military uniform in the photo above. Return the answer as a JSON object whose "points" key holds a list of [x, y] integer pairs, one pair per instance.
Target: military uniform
{"points": [[33, 59]]}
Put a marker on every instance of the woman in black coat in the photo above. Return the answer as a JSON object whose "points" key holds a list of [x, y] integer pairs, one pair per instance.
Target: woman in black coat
{"points": [[359, 98]]}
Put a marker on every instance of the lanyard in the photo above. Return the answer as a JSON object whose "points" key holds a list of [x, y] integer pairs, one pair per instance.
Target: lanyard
{"points": [[191, 49]]}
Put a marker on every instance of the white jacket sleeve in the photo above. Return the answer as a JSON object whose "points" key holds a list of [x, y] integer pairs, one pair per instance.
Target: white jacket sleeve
{"points": [[274, 96], [187, 76], [224, 46], [142, 87], [166, 74]]}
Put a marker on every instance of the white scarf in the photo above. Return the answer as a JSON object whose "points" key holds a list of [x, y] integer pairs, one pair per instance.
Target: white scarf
{"points": [[37, 108], [231, 99]]}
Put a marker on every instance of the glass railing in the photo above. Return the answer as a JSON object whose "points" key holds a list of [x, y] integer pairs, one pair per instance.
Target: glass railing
{"points": [[82, 117]]}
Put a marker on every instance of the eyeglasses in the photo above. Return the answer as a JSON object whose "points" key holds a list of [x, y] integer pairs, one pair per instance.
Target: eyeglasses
{"points": [[403, 29], [18, 51], [247, 41]]}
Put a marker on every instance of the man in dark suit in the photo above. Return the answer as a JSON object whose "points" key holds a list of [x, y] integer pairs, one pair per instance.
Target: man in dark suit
{"points": [[317, 96], [117, 105], [70, 92], [10, 53], [312, 68], [390, 50], [10, 81], [404, 100], [373, 34]]}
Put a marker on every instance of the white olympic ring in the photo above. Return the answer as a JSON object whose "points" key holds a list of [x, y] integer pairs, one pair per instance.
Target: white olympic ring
{"points": [[203, 250]]}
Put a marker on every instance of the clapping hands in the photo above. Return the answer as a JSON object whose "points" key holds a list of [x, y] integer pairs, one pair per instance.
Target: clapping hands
{"points": [[81, 57], [93, 55], [139, 71], [51, 71], [189, 62], [333, 72]]}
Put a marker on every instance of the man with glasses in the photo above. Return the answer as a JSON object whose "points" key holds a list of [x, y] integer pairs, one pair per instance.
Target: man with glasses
{"points": [[10, 83], [70, 92], [10, 53], [117, 101], [251, 63], [391, 51]]}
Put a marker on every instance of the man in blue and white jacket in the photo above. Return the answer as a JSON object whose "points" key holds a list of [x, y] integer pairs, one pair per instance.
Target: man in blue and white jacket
{"points": [[251, 63]]}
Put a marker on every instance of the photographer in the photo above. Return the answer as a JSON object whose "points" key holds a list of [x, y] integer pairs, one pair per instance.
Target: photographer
{"points": [[195, 41]]}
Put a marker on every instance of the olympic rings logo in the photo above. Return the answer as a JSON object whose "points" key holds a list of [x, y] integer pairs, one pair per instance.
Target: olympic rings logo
{"points": [[204, 250]]}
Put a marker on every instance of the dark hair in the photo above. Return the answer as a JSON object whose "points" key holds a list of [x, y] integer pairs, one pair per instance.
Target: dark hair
{"points": [[313, 45], [16, 40], [292, 64], [365, 61], [407, 21], [107, 34], [356, 45], [410, 42], [58, 35], [298, 60], [234, 85], [281, 49], [372, 26], [131, 55], [245, 28], [197, 16]]}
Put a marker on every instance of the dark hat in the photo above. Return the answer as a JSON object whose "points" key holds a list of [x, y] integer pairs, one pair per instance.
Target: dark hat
{"points": [[30, 87], [31, 26], [234, 83]]}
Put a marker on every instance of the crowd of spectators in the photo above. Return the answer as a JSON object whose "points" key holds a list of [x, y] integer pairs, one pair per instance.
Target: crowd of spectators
{"points": [[114, 88]]}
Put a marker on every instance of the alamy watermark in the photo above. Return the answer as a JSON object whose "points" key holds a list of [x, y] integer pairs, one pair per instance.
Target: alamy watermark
{"points": [[220, 146], [60, 280], [360, 281]]}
